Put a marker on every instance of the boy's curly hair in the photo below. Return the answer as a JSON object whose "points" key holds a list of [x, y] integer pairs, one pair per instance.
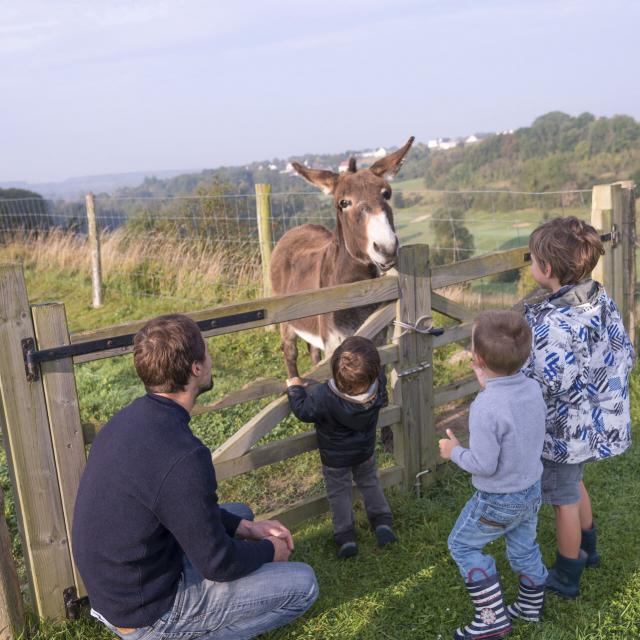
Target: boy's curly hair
{"points": [[571, 246], [355, 365]]}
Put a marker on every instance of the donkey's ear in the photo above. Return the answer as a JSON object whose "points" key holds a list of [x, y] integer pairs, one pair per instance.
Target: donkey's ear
{"points": [[326, 180], [390, 165]]}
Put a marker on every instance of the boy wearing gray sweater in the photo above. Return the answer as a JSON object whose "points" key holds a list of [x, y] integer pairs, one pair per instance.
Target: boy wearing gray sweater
{"points": [[506, 435]]}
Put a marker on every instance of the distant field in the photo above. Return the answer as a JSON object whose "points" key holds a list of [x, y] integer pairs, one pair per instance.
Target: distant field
{"points": [[491, 230], [408, 185]]}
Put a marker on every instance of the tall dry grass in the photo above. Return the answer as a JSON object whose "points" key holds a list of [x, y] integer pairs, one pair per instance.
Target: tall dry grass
{"points": [[148, 264]]}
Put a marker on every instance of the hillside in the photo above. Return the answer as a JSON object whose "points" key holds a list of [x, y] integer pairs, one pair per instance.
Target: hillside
{"points": [[556, 152]]}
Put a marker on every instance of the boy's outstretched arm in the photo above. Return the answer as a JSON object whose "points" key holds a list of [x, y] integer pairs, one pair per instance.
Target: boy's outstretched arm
{"points": [[302, 404], [481, 458]]}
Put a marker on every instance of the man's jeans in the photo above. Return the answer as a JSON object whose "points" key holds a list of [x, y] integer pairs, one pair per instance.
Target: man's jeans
{"points": [[338, 484], [489, 516], [268, 598]]}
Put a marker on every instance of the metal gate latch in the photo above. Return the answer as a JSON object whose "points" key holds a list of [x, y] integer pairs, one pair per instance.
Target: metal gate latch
{"points": [[72, 604], [409, 372]]}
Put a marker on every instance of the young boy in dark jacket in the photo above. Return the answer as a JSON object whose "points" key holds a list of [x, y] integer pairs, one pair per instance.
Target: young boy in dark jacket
{"points": [[345, 413]]}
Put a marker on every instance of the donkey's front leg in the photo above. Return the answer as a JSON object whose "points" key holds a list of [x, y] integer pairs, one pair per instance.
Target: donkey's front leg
{"points": [[290, 349], [315, 353]]}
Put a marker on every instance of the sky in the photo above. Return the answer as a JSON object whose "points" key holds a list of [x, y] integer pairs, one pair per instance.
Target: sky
{"points": [[110, 86]]}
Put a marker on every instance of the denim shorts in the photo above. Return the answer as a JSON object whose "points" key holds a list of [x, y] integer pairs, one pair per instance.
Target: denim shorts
{"points": [[561, 482]]}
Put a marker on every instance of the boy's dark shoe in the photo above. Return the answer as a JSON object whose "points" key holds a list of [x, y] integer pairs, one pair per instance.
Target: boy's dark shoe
{"points": [[348, 550], [588, 545], [346, 543], [529, 604], [491, 619], [385, 535], [564, 577]]}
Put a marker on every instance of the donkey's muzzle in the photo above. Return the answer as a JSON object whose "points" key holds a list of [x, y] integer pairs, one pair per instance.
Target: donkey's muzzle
{"points": [[384, 258]]}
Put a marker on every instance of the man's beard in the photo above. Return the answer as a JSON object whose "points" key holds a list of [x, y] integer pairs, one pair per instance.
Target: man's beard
{"points": [[206, 387]]}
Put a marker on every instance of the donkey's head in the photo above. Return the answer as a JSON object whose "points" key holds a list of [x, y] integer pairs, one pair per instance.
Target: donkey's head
{"points": [[364, 215]]}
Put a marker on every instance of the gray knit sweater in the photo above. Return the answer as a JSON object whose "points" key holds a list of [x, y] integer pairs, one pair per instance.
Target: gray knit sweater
{"points": [[506, 434]]}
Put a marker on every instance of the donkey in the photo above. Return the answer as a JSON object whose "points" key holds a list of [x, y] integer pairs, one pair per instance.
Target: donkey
{"points": [[363, 246]]}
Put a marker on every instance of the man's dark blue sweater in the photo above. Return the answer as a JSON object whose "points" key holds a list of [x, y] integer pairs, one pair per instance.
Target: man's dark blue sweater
{"points": [[147, 495]]}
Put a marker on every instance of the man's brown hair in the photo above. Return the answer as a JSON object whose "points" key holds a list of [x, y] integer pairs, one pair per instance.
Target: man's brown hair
{"points": [[502, 339], [355, 365], [164, 350], [571, 246]]}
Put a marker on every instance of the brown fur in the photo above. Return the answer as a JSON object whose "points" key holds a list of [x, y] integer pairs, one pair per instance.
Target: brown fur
{"points": [[312, 257]]}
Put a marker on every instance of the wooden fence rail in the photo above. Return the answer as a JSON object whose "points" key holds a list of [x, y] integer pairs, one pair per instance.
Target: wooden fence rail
{"points": [[45, 440]]}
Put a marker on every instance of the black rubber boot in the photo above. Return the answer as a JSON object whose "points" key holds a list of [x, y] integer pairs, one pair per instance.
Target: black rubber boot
{"points": [[491, 619], [529, 604], [564, 577], [588, 545]]}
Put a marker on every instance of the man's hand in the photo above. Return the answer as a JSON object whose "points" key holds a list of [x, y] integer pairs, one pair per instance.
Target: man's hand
{"points": [[265, 529], [481, 375], [281, 551], [448, 444], [297, 382]]}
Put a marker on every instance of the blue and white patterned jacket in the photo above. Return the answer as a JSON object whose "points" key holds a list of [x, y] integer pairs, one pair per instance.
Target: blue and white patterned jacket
{"points": [[582, 358]]}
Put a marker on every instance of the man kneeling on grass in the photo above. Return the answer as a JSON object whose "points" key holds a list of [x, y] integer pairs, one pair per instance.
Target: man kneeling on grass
{"points": [[159, 556]]}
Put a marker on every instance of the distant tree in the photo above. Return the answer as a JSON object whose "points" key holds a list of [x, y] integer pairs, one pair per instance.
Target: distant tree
{"points": [[398, 200], [452, 241], [23, 210]]}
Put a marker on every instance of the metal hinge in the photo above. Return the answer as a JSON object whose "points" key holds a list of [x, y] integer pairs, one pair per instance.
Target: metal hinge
{"points": [[33, 358], [73, 605], [615, 235]]}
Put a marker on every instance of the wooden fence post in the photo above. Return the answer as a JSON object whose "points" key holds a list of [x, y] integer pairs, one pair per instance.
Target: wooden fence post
{"points": [[94, 247], [27, 441], [628, 241], [11, 606], [606, 217], [50, 323], [263, 213], [412, 380]]}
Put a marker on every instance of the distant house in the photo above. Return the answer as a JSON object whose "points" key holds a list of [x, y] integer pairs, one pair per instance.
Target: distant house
{"points": [[343, 167], [476, 137], [443, 143], [448, 143]]}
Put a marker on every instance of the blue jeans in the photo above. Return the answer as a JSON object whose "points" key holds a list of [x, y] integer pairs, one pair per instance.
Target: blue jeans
{"points": [[270, 597], [489, 516]]}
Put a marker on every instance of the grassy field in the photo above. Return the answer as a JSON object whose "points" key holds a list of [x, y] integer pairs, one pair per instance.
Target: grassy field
{"points": [[409, 591]]}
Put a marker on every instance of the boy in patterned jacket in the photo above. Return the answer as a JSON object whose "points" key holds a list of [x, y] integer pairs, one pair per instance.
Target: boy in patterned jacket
{"points": [[582, 358]]}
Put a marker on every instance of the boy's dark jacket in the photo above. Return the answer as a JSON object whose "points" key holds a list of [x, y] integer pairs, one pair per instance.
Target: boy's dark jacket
{"points": [[346, 429]]}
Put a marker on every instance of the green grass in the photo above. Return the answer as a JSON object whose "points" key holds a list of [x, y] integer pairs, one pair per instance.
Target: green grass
{"points": [[412, 590]]}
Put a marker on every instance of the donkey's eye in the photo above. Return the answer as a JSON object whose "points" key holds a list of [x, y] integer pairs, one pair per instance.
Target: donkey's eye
{"points": [[386, 194], [343, 204]]}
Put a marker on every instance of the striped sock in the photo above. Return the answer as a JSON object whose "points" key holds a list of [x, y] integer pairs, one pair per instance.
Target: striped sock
{"points": [[529, 604], [491, 619]]}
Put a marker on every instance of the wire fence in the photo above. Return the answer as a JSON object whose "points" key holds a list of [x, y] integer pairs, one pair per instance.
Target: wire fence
{"points": [[205, 249]]}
